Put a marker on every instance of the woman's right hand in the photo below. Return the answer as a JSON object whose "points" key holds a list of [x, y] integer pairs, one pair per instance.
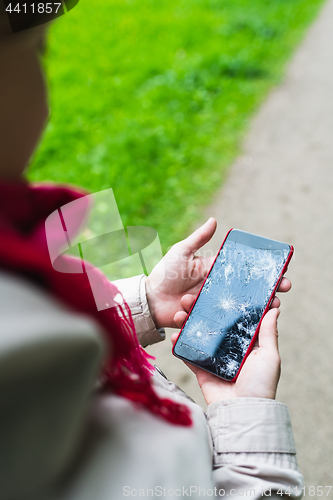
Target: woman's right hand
{"points": [[260, 373]]}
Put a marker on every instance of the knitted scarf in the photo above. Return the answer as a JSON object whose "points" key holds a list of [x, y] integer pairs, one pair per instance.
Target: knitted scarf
{"points": [[24, 251]]}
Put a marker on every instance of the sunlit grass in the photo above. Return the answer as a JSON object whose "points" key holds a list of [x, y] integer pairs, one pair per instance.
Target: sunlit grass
{"points": [[152, 97]]}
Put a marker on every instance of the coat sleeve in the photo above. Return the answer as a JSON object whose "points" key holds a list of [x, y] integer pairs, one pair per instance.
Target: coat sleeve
{"points": [[254, 449], [134, 293]]}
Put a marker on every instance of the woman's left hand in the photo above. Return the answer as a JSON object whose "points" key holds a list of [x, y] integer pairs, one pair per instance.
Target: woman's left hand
{"points": [[176, 280], [180, 273]]}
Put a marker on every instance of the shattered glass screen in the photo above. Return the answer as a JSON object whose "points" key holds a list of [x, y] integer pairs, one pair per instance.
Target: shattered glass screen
{"points": [[226, 315]]}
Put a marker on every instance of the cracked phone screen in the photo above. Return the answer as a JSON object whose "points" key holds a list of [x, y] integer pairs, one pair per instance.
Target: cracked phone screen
{"points": [[226, 315]]}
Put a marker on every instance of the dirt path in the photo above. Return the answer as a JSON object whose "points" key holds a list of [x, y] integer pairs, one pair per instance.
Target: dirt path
{"points": [[282, 187]]}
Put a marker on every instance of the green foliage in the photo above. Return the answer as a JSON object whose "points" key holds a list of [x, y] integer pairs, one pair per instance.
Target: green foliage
{"points": [[152, 97]]}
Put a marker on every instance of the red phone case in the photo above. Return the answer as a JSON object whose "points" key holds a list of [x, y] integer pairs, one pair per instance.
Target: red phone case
{"points": [[284, 269]]}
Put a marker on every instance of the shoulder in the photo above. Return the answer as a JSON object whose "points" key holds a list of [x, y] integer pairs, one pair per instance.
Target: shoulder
{"points": [[27, 311], [49, 360], [25, 307]]}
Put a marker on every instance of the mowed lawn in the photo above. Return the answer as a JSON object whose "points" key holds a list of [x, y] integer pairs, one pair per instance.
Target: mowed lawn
{"points": [[152, 98]]}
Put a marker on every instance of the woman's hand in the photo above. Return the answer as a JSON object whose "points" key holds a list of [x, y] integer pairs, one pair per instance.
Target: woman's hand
{"points": [[179, 273], [260, 373]]}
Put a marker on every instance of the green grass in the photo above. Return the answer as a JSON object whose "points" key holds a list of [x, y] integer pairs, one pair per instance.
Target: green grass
{"points": [[153, 97]]}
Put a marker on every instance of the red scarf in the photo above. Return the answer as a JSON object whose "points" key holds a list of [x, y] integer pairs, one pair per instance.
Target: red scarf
{"points": [[23, 251]]}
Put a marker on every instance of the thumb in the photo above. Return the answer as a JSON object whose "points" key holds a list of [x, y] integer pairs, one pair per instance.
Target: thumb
{"points": [[268, 333], [200, 237]]}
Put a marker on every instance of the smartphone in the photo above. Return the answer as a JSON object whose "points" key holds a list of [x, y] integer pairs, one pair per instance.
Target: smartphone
{"points": [[224, 321]]}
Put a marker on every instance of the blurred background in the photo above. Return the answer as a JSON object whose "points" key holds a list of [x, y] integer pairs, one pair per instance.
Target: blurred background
{"points": [[153, 97], [197, 108]]}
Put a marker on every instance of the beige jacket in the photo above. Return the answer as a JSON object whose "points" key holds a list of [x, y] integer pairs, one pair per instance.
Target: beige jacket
{"points": [[61, 440]]}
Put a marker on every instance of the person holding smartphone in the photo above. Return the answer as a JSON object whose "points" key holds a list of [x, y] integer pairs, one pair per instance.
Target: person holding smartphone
{"points": [[82, 413]]}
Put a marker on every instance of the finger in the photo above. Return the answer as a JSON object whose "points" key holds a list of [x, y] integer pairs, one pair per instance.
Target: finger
{"points": [[187, 301], [285, 285], [268, 333], [174, 337], [200, 237], [275, 303], [207, 262], [179, 318]]}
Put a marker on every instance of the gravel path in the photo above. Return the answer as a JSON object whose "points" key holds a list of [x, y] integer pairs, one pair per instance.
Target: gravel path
{"points": [[282, 187]]}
